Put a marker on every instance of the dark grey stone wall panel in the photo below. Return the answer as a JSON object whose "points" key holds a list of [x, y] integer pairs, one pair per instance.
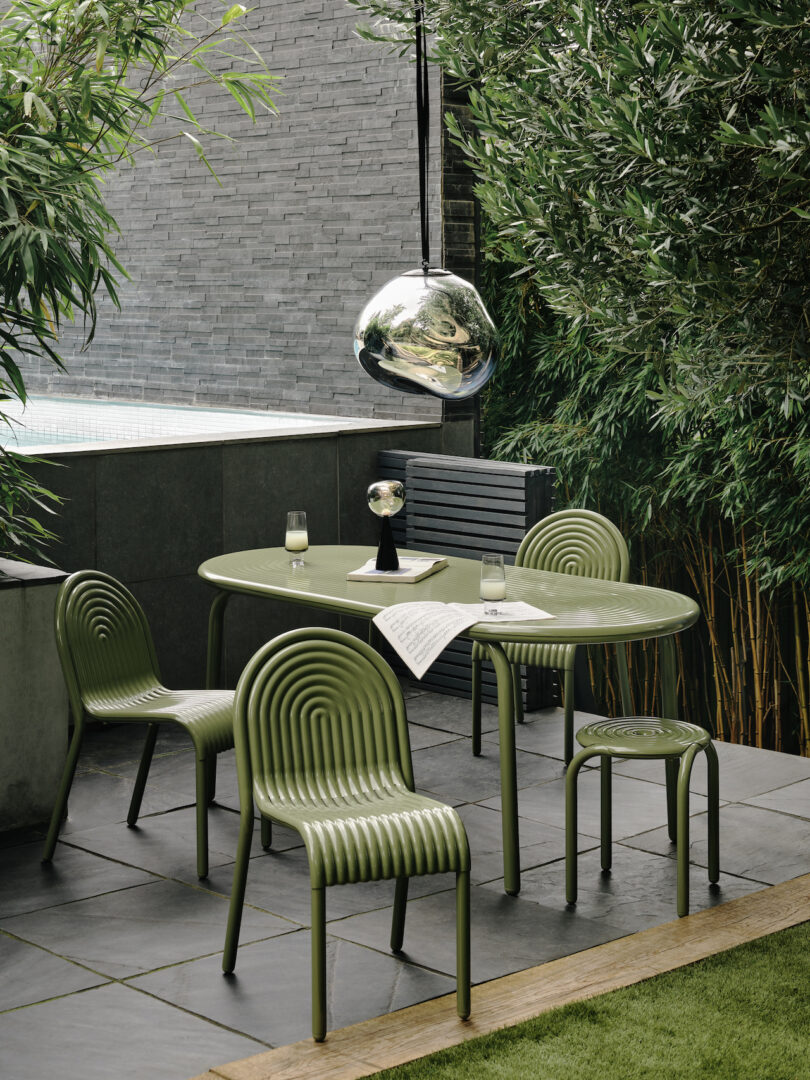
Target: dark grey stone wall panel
{"points": [[246, 294]]}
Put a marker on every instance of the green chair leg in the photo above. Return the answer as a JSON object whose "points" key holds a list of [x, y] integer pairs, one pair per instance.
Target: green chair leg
{"points": [[65, 783], [463, 943], [517, 693], [211, 779], [476, 707], [606, 810], [240, 869], [671, 766], [684, 776], [267, 833], [571, 775], [624, 678], [568, 703], [202, 817], [143, 773], [318, 964], [398, 919], [713, 769]]}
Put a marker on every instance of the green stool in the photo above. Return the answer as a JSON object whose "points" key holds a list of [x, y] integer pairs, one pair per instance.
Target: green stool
{"points": [[645, 737]]}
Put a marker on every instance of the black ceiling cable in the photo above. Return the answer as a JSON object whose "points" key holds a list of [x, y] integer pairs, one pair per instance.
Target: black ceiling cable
{"points": [[422, 128]]}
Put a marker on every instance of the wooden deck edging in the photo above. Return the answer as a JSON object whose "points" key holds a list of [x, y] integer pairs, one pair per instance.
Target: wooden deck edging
{"points": [[394, 1038]]}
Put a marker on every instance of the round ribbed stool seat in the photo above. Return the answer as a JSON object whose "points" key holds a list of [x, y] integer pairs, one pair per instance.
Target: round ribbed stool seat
{"points": [[643, 736], [677, 744]]}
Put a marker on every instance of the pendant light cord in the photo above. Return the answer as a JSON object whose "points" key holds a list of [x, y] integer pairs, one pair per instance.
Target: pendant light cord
{"points": [[422, 128]]}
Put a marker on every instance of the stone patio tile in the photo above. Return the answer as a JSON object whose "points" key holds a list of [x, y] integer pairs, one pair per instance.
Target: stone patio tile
{"points": [[637, 804], [166, 844], [793, 799], [278, 882], [539, 844], [755, 843], [451, 714], [639, 892], [424, 736], [543, 732], [113, 1031], [451, 771], [745, 771], [269, 994], [28, 884], [31, 974], [509, 933], [138, 929]]}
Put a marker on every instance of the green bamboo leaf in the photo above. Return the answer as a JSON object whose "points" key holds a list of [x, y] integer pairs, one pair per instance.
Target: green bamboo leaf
{"points": [[235, 12]]}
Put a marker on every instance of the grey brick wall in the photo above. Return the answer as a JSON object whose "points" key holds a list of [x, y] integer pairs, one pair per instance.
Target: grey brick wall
{"points": [[246, 294]]}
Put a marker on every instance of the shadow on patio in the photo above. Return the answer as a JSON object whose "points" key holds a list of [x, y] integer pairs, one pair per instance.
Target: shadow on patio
{"points": [[112, 953]]}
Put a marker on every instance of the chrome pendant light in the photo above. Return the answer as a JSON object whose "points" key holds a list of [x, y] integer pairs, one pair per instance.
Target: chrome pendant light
{"points": [[427, 331]]}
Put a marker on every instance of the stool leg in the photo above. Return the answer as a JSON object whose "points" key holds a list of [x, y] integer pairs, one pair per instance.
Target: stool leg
{"points": [[568, 708], [606, 809], [571, 774], [713, 769], [684, 776], [517, 693], [624, 678], [463, 943], [318, 964], [476, 707], [671, 765]]}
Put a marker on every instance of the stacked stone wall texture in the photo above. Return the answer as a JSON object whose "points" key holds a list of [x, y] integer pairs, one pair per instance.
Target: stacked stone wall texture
{"points": [[246, 294]]}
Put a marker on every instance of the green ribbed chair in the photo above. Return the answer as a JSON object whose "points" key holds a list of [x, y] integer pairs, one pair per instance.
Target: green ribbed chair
{"points": [[677, 743], [110, 667], [322, 747], [578, 542]]}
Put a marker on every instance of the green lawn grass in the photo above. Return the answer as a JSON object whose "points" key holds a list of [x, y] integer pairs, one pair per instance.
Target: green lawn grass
{"points": [[740, 1015]]}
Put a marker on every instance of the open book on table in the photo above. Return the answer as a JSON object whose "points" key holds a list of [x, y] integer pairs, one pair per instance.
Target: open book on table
{"points": [[420, 630]]}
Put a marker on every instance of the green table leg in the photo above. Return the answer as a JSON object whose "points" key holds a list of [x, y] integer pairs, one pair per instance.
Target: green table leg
{"points": [[213, 660], [509, 803]]}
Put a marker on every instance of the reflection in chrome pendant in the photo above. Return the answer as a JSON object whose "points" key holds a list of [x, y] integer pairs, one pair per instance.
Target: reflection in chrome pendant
{"points": [[427, 333]]}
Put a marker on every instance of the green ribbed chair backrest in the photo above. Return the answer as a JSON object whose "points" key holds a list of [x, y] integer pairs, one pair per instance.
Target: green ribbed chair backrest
{"points": [[578, 542], [103, 640], [321, 716]]}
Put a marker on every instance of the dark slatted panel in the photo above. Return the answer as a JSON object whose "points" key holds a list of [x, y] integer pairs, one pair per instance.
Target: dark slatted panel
{"points": [[468, 506]]}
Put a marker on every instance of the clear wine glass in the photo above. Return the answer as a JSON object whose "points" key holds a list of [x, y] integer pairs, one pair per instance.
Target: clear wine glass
{"points": [[296, 540], [493, 582]]}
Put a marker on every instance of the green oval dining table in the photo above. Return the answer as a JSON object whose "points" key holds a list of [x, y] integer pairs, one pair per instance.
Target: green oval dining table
{"points": [[584, 610]]}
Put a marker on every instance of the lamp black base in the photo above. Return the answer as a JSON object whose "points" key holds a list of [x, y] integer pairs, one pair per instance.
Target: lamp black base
{"points": [[387, 558]]}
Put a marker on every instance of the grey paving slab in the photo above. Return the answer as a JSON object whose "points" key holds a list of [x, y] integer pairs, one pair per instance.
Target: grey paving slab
{"points": [[278, 882], [97, 797], [745, 771], [424, 736], [638, 893], [109, 746], [754, 843], [113, 1031], [509, 933], [269, 994], [172, 781], [31, 974], [793, 799], [451, 714], [539, 843], [28, 884], [451, 771], [139, 929], [637, 804], [166, 844], [543, 732]]}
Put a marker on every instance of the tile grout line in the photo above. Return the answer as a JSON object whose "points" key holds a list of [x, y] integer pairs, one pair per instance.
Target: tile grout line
{"points": [[393, 1039]]}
